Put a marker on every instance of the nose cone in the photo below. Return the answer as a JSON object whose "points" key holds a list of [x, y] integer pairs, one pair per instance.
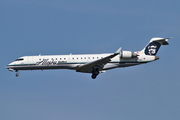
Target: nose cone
{"points": [[9, 65], [156, 57]]}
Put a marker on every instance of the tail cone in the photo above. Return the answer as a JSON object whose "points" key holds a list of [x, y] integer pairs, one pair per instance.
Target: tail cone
{"points": [[156, 57]]}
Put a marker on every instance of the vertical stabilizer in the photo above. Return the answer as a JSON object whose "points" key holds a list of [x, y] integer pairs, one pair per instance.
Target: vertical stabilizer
{"points": [[153, 46]]}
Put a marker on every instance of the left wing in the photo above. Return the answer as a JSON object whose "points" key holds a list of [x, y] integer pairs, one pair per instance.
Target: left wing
{"points": [[98, 64]]}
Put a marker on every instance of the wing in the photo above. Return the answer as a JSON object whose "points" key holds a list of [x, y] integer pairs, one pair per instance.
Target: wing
{"points": [[98, 64]]}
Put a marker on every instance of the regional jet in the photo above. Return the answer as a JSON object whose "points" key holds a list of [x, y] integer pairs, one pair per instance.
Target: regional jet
{"points": [[90, 63]]}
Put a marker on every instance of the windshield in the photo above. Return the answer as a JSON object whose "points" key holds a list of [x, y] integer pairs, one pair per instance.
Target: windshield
{"points": [[20, 59]]}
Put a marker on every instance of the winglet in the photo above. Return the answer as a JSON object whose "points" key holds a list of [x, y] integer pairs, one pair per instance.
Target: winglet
{"points": [[118, 51]]}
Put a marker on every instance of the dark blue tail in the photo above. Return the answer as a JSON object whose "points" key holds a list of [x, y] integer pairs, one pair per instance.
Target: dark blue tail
{"points": [[152, 48]]}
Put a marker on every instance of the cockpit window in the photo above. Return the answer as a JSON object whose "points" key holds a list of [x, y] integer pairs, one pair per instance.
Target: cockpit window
{"points": [[20, 59]]}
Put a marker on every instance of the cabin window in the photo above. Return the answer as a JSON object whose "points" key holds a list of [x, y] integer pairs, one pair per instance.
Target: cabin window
{"points": [[64, 58], [97, 57], [60, 58], [20, 59], [77, 58], [39, 59], [93, 57], [84, 57]]}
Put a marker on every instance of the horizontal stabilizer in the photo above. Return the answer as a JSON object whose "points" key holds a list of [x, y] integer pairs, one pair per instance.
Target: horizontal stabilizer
{"points": [[162, 41]]}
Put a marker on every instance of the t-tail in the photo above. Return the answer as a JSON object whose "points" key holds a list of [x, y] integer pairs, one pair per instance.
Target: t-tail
{"points": [[153, 46]]}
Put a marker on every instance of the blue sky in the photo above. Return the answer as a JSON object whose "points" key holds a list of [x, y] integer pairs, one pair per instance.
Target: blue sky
{"points": [[149, 91]]}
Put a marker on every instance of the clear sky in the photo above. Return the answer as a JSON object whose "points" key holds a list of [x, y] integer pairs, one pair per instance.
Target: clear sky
{"points": [[146, 92]]}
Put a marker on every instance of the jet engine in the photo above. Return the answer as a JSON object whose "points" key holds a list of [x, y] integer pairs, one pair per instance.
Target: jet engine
{"points": [[128, 54]]}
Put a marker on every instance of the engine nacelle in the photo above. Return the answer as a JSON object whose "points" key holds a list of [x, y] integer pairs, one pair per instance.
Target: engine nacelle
{"points": [[128, 54]]}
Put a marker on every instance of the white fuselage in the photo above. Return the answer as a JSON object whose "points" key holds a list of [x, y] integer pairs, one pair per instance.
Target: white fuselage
{"points": [[90, 63], [73, 61]]}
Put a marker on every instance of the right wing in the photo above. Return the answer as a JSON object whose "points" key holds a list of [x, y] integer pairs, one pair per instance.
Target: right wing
{"points": [[98, 64]]}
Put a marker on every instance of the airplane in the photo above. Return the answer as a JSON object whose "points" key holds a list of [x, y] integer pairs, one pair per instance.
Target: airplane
{"points": [[90, 63]]}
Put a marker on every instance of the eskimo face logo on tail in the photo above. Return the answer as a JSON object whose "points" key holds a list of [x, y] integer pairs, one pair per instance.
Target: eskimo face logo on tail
{"points": [[152, 48]]}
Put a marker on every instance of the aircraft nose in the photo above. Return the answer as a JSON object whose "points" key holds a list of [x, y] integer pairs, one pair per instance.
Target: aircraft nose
{"points": [[8, 66], [156, 57]]}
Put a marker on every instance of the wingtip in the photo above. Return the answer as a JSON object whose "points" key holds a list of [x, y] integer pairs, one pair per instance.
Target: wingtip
{"points": [[119, 50], [169, 38]]}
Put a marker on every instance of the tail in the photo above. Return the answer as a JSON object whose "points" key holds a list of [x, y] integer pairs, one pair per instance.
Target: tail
{"points": [[153, 46]]}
